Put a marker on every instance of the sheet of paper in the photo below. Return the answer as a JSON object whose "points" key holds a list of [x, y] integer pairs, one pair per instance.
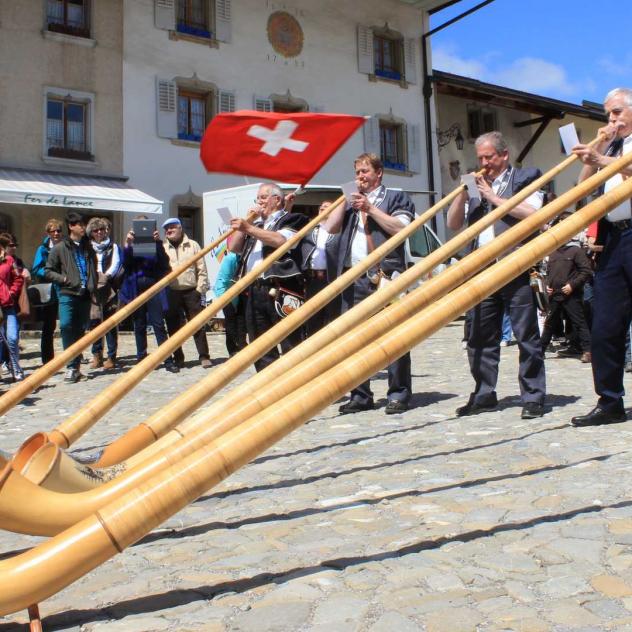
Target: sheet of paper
{"points": [[225, 215], [348, 188], [569, 137], [470, 182]]}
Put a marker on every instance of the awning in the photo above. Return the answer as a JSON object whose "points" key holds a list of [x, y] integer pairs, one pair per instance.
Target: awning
{"points": [[41, 188]]}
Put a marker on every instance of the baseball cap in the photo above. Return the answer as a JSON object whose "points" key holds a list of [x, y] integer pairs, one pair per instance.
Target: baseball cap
{"points": [[171, 221]]}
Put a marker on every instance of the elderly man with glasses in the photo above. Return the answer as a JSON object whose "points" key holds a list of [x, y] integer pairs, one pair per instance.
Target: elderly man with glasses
{"points": [[255, 241]]}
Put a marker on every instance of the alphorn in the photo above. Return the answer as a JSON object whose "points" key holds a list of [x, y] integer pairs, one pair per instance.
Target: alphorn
{"points": [[44, 570], [48, 512], [182, 406], [80, 422], [20, 390], [167, 417]]}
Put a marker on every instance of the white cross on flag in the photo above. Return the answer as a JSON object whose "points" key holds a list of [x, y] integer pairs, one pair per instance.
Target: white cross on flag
{"points": [[275, 145]]}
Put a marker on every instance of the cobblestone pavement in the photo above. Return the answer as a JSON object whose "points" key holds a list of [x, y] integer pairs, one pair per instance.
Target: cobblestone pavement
{"points": [[417, 521]]}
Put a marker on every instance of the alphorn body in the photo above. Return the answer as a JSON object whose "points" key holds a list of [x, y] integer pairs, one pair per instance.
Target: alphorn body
{"points": [[50, 512], [44, 570], [77, 424], [167, 418], [20, 390], [178, 409], [182, 406]]}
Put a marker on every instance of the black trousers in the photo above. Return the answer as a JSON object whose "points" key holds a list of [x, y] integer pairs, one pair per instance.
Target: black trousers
{"points": [[573, 307], [313, 285], [235, 326], [48, 315], [183, 305], [261, 315], [612, 308], [483, 345], [399, 373]]}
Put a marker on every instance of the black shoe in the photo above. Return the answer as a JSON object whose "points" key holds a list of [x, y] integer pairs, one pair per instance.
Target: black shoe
{"points": [[531, 410], [354, 406], [569, 352], [471, 408], [172, 367], [598, 417], [179, 363], [395, 406]]}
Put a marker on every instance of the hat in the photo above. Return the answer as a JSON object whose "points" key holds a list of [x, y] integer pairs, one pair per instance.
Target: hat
{"points": [[170, 221]]}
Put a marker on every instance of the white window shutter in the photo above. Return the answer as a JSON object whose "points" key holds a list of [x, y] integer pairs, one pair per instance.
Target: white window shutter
{"points": [[225, 101], [223, 31], [413, 144], [371, 131], [263, 104], [366, 64], [165, 14], [410, 61], [166, 108]]}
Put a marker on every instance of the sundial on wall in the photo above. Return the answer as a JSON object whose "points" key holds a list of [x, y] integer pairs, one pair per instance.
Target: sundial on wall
{"points": [[286, 38]]}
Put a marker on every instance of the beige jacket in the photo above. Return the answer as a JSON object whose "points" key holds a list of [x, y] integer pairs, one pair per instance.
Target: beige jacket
{"points": [[195, 276]]}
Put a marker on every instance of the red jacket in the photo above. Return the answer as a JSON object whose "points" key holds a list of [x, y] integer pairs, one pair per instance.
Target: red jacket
{"points": [[11, 282]]}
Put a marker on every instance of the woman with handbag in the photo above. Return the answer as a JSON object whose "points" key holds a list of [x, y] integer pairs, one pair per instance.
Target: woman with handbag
{"points": [[47, 312], [11, 282]]}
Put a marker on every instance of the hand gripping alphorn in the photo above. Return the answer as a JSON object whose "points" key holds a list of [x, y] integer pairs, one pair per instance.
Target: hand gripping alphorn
{"points": [[47, 513], [178, 409], [76, 425], [44, 570], [20, 390]]}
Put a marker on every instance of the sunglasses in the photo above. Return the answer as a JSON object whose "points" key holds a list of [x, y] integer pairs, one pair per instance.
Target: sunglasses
{"points": [[12, 245]]}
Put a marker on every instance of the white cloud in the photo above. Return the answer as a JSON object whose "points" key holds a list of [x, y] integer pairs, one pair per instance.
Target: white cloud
{"points": [[443, 58], [529, 74], [616, 68], [539, 76]]}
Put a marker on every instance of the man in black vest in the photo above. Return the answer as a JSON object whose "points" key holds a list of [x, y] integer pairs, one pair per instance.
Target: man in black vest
{"points": [[612, 304], [500, 182], [374, 215], [255, 242]]}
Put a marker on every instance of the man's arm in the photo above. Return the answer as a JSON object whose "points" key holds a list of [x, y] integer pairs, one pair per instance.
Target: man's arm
{"points": [[333, 223], [390, 224], [594, 158], [520, 211], [267, 237], [456, 213], [52, 270]]}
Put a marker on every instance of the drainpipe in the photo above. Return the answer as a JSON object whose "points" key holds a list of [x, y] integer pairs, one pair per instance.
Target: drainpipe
{"points": [[427, 86]]}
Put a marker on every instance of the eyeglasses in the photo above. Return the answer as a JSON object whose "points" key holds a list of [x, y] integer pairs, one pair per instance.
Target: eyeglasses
{"points": [[98, 230], [55, 230]]}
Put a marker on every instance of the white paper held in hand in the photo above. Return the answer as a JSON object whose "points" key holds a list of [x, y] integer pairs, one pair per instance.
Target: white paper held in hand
{"points": [[225, 215], [569, 137], [348, 188], [469, 181]]}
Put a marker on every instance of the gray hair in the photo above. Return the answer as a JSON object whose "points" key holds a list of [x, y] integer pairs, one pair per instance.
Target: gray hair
{"points": [[275, 189], [97, 222], [626, 93], [494, 138]]}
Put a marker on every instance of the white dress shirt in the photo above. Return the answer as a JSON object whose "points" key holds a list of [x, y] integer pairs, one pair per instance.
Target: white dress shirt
{"points": [[623, 211]]}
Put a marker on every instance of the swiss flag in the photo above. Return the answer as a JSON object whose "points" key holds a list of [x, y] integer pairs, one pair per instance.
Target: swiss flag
{"points": [[275, 145]]}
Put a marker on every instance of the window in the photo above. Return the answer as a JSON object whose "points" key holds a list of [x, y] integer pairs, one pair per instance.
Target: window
{"points": [[193, 18], [68, 16], [422, 242], [387, 56], [193, 113], [200, 21], [480, 121], [67, 128], [286, 103], [392, 146], [185, 106]]}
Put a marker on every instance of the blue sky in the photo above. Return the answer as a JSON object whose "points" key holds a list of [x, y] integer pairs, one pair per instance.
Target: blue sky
{"points": [[564, 49]]}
